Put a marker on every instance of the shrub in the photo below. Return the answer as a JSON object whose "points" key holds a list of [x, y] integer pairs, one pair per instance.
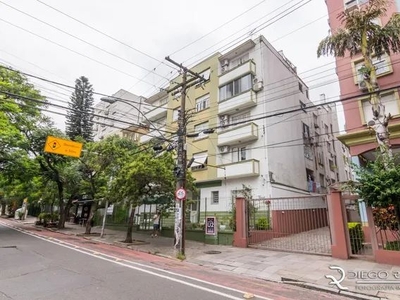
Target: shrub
{"points": [[262, 223], [393, 246], [356, 237]]}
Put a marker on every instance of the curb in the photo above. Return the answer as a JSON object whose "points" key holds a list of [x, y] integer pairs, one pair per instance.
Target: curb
{"points": [[316, 287]]}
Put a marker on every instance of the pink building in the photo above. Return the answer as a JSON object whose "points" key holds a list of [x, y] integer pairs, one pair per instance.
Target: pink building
{"points": [[358, 137]]}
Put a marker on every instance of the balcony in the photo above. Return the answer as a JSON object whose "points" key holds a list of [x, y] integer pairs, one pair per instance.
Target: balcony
{"points": [[352, 4], [230, 74], [239, 169], [242, 101], [238, 134], [157, 113], [149, 136]]}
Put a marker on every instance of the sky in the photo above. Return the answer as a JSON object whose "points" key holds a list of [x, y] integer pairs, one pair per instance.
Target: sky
{"points": [[126, 46]]}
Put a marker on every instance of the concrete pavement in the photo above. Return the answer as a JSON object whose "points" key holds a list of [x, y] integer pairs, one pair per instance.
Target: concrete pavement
{"points": [[274, 266]]}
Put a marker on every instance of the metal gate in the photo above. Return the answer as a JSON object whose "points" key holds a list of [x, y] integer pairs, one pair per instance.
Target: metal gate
{"points": [[293, 224]]}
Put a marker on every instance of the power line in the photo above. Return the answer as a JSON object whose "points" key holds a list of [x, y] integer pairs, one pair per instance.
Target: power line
{"points": [[67, 108], [101, 32], [78, 38], [76, 52]]}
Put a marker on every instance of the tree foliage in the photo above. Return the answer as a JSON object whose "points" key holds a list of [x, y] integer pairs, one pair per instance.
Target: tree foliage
{"points": [[79, 116], [379, 183]]}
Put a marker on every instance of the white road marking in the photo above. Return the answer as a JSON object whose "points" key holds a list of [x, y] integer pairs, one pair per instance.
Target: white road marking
{"points": [[116, 260]]}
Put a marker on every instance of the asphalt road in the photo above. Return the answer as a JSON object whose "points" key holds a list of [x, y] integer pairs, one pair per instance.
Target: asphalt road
{"points": [[32, 268]]}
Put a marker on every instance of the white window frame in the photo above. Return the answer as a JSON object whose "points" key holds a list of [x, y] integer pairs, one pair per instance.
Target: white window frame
{"points": [[236, 87], [239, 154], [391, 102], [175, 114], [382, 67], [200, 161], [203, 103], [199, 128], [241, 117]]}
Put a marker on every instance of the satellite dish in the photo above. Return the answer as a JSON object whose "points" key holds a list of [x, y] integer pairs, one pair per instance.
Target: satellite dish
{"points": [[371, 123]]}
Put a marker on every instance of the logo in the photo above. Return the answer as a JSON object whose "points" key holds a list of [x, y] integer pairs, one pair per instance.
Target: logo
{"points": [[335, 281]]}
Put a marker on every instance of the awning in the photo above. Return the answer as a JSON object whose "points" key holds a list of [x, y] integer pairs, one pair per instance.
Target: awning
{"points": [[199, 159]]}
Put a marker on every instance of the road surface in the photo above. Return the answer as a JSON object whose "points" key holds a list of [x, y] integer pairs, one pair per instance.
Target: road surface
{"points": [[46, 265]]}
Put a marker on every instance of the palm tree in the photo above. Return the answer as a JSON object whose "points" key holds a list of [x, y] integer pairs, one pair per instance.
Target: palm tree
{"points": [[361, 34]]}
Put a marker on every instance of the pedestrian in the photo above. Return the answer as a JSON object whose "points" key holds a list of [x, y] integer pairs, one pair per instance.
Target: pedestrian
{"points": [[156, 224]]}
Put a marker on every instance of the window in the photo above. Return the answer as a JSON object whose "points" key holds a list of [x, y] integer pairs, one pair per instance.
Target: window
{"points": [[315, 117], [328, 145], [306, 131], [202, 103], [326, 129], [307, 94], [200, 161], [239, 154], [303, 106], [331, 165], [235, 87], [175, 115], [382, 66], [200, 128], [390, 102], [240, 60], [242, 117], [215, 197], [300, 87]]}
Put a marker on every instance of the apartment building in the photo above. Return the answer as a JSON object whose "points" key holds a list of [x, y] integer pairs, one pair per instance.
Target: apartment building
{"points": [[358, 113], [253, 141], [121, 117]]}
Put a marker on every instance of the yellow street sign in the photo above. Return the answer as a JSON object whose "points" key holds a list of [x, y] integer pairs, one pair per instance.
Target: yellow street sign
{"points": [[64, 147]]}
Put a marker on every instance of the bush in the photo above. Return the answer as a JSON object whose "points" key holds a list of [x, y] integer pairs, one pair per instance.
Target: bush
{"points": [[262, 223], [356, 237], [393, 246]]}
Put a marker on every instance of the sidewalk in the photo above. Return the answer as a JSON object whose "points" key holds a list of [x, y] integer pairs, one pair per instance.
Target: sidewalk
{"points": [[308, 270]]}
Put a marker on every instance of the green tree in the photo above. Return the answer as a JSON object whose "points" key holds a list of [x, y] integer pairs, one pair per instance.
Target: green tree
{"points": [[99, 164], [379, 184], [144, 177], [79, 116], [361, 34]]}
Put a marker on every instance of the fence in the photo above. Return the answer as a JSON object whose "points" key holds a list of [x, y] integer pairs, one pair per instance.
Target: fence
{"points": [[296, 224]]}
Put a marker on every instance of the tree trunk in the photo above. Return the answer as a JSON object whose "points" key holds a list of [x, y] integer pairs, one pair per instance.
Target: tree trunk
{"points": [[61, 222], [130, 227], [3, 208], [93, 209]]}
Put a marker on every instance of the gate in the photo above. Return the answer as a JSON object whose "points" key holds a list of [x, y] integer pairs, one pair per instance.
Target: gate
{"points": [[293, 224]]}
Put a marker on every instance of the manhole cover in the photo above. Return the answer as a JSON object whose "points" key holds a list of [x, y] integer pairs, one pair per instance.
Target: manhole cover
{"points": [[212, 252]]}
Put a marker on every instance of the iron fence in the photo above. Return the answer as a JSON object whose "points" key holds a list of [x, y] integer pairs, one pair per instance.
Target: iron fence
{"points": [[295, 224]]}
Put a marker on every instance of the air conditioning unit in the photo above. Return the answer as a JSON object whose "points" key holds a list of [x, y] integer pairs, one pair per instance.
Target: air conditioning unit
{"points": [[224, 120], [351, 4], [257, 85], [224, 149], [225, 66], [362, 85]]}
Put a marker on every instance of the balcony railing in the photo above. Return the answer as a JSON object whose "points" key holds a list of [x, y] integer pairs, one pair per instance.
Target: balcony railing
{"points": [[239, 169], [238, 134], [230, 74], [149, 136], [242, 101], [157, 113]]}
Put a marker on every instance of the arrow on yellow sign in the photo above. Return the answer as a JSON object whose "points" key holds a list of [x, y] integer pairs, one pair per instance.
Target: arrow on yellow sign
{"points": [[63, 147]]}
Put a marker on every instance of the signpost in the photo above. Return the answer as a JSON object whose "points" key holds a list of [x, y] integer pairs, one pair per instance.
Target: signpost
{"points": [[180, 194], [63, 147], [211, 226]]}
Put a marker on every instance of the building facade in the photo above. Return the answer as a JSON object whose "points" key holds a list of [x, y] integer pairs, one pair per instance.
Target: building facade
{"points": [[358, 112], [119, 118], [254, 142]]}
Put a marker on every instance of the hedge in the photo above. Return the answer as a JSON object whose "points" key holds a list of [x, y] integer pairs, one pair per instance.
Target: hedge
{"points": [[356, 237]]}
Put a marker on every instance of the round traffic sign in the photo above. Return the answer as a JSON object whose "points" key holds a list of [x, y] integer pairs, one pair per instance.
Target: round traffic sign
{"points": [[180, 193]]}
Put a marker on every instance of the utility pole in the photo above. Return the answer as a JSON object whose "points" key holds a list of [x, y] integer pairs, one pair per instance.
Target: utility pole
{"points": [[180, 204]]}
